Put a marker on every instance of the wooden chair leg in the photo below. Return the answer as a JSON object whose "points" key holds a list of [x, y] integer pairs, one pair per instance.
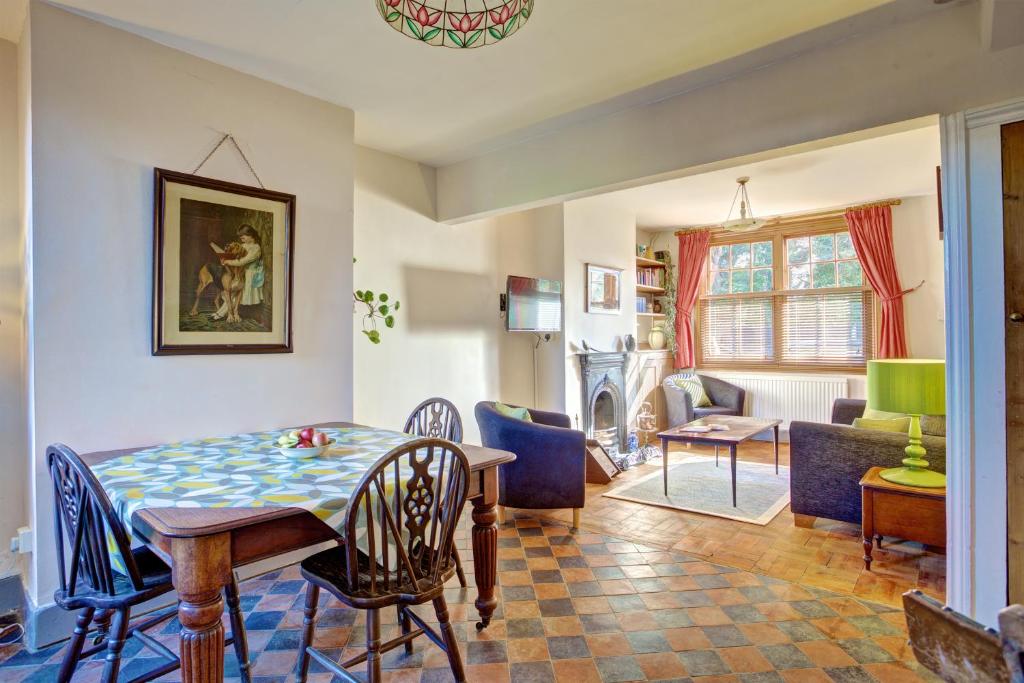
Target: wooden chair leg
{"points": [[458, 567], [74, 651], [451, 643], [406, 623], [716, 456], [115, 643], [373, 646], [576, 518], [241, 643], [308, 626]]}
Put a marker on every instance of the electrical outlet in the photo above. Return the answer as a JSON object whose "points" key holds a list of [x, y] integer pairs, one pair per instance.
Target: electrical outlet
{"points": [[22, 543]]}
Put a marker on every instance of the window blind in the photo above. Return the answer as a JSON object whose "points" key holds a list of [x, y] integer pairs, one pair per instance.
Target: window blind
{"points": [[737, 329], [825, 328]]}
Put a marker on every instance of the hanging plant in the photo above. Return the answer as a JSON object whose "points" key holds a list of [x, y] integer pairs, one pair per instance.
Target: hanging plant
{"points": [[668, 299], [378, 307]]}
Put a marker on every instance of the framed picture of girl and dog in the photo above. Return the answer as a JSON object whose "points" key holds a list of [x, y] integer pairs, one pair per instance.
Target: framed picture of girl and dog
{"points": [[222, 267]]}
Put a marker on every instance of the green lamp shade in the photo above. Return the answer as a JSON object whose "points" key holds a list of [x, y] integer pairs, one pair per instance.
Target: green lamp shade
{"points": [[914, 386]]}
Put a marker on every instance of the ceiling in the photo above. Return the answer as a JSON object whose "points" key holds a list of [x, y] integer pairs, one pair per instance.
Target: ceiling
{"points": [[896, 165], [440, 105]]}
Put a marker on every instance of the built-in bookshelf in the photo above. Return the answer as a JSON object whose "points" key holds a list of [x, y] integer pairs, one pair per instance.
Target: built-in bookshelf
{"points": [[650, 284]]}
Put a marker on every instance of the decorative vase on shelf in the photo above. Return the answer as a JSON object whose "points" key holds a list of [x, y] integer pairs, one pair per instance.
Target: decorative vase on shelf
{"points": [[656, 338]]}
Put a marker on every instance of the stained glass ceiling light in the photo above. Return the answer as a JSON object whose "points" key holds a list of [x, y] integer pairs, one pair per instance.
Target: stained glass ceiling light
{"points": [[743, 223], [456, 23]]}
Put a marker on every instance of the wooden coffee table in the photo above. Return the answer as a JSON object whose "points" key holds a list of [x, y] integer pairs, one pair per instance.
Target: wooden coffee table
{"points": [[740, 429]]}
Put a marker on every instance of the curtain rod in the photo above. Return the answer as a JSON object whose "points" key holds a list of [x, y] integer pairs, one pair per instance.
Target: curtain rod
{"points": [[799, 218]]}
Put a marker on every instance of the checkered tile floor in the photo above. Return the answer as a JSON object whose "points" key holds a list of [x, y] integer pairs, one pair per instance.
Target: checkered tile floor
{"points": [[580, 608]]}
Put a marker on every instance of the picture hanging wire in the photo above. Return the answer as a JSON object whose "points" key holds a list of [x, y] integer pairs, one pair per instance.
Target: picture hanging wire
{"points": [[229, 136]]}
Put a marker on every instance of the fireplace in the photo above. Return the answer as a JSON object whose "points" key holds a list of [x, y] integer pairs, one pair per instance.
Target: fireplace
{"points": [[603, 388]]}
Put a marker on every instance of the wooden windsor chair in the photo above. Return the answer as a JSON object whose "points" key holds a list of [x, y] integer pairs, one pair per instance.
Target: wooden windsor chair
{"points": [[398, 536], [83, 517], [438, 418]]}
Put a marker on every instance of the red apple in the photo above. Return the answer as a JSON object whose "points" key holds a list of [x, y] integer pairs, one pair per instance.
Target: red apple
{"points": [[320, 439], [307, 434], [305, 444]]}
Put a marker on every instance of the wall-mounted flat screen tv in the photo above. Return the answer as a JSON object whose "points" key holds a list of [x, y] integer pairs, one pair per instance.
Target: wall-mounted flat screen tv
{"points": [[534, 305]]}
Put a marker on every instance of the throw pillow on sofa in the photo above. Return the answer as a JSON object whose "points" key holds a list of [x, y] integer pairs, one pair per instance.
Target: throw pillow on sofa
{"points": [[509, 411], [932, 425], [691, 384], [900, 425]]}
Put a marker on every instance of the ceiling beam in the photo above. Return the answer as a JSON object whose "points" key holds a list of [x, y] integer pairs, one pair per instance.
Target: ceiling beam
{"points": [[1002, 24]]}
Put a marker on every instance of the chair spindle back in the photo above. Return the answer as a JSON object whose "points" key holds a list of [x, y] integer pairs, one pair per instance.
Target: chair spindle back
{"points": [[437, 418], [410, 501], [82, 515]]}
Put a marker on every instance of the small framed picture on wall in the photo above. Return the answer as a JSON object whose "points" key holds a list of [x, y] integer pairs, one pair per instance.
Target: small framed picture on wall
{"points": [[222, 267], [604, 290]]}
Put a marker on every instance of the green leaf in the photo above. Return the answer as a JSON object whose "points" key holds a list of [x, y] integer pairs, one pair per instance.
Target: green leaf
{"points": [[372, 335], [394, 15], [412, 27], [454, 37], [473, 38], [367, 296], [431, 33], [383, 309], [383, 297], [389, 321], [397, 305], [359, 294], [495, 33]]}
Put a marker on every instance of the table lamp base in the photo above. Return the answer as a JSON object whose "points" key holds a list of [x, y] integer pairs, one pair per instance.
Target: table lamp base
{"points": [[914, 476]]}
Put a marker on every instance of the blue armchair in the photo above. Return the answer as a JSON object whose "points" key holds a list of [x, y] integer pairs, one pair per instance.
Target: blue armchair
{"points": [[550, 467]]}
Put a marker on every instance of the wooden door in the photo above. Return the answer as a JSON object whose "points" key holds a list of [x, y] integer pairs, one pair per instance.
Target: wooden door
{"points": [[1013, 272]]}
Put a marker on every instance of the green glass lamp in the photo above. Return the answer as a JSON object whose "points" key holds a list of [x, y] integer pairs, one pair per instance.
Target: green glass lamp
{"points": [[915, 387]]}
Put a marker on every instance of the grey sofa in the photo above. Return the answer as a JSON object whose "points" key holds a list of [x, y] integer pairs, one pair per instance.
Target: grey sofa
{"points": [[827, 461], [727, 399]]}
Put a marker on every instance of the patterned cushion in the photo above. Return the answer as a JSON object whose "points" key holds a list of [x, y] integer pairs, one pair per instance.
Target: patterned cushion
{"points": [[691, 384], [518, 413]]}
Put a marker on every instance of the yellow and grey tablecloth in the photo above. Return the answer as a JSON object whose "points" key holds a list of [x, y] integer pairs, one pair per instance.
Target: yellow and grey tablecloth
{"points": [[246, 470]]}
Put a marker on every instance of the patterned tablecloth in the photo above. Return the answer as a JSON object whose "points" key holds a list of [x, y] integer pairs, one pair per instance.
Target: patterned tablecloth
{"points": [[246, 470]]}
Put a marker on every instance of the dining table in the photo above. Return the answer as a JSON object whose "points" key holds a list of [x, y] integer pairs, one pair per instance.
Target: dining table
{"points": [[205, 529]]}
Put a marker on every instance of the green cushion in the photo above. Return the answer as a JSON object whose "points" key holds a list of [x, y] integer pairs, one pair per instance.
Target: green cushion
{"points": [[518, 413], [691, 384], [872, 414], [932, 425], [899, 425]]}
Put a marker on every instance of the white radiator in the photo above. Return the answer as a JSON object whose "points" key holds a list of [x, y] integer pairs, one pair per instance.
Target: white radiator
{"points": [[789, 397]]}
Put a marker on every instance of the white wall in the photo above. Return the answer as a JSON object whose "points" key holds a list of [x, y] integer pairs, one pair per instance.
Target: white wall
{"points": [[448, 335], [12, 315], [530, 244], [915, 227], [108, 106], [910, 69], [605, 237]]}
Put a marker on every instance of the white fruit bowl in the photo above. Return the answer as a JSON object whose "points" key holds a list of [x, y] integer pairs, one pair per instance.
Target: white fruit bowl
{"points": [[314, 452]]}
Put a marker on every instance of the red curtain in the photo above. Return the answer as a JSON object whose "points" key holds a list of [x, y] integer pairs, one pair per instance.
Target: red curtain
{"points": [[871, 232], [693, 251]]}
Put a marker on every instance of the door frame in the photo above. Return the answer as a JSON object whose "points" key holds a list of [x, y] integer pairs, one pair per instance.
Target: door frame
{"points": [[976, 560]]}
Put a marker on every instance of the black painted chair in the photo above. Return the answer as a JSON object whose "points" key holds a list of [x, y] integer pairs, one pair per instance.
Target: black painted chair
{"points": [[405, 517], [438, 418], [83, 518]]}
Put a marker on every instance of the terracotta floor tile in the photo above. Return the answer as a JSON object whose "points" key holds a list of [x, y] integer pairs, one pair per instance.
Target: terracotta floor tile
{"points": [[609, 644], [528, 650], [684, 639], [826, 654], [576, 671], [744, 659], [661, 665]]}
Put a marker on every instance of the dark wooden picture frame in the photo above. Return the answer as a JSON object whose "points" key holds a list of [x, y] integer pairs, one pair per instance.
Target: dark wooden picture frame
{"points": [[249, 304]]}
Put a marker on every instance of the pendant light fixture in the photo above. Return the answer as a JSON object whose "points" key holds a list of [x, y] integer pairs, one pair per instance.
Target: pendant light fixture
{"points": [[456, 23], [744, 223]]}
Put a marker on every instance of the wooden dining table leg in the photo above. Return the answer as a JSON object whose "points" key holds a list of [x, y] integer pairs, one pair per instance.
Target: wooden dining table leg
{"points": [[201, 568], [485, 546]]}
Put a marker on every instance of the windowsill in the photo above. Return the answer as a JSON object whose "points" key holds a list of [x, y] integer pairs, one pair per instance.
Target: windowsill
{"points": [[785, 370]]}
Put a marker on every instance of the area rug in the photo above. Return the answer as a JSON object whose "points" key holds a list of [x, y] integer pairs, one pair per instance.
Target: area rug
{"points": [[696, 485]]}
